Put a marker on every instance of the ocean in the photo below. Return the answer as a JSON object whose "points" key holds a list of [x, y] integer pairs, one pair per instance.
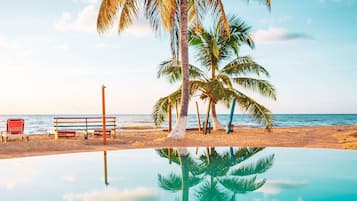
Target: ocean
{"points": [[39, 124]]}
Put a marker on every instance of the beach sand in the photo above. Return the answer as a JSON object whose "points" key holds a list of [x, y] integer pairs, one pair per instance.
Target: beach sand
{"points": [[335, 137]]}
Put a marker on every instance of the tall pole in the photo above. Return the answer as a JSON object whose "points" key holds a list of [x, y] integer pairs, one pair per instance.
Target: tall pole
{"points": [[177, 113], [170, 118], [104, 117], [207, 116], [198, 117], [229, 125]]}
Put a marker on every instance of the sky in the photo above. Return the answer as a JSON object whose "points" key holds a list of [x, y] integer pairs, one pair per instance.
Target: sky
{"points": [[52, 60]]}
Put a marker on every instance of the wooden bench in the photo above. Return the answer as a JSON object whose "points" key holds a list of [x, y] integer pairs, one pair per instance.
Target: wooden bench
{"points": [[72, 126]]}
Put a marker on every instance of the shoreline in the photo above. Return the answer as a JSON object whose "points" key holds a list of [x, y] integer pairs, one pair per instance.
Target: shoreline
{"points": [[331, 137]]}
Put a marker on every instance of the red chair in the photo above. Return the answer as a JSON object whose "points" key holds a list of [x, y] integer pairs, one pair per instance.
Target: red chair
{"points": [[14, 129]]}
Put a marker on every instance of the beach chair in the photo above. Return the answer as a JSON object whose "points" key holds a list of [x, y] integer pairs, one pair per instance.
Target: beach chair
{"points": [[14, 129]]}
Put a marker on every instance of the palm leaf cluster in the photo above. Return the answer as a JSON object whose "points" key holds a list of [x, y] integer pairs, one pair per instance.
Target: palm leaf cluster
{"points": [[163, 15], [223, 74]]}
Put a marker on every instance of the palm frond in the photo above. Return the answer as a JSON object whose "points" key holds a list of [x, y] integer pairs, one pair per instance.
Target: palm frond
{"points": [[107, 12], [194, 180], [218, 164], [175, 36], [244, 65], [161, 13], [128, 13], [202, 42], [216, 90], [266, 2], [260, 166], [196, 11], [172, 156], [244, 153], [226, 80], [197, 85], [260, 113], [217, 10], [171, 183], [241, 185], [172, 71], [263, 87], [160, 109], [240, 33], [210, 192]]}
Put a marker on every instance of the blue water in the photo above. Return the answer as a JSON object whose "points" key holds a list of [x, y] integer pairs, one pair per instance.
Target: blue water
{"points": [[39, 124], [289, 174]]}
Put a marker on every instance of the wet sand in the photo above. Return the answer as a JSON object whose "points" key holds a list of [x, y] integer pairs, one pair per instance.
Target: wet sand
{"points": [[334, 137]]}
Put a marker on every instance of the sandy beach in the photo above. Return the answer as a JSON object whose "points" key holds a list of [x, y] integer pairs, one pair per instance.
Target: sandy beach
{"points": [[334, 137]]}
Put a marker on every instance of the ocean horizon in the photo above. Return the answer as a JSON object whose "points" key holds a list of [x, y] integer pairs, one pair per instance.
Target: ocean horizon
{"points": [[40, 123]]}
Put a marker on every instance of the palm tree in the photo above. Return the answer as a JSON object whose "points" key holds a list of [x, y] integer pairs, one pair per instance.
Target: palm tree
{"points": [[173, 16], [229, 174], [222, 66]]}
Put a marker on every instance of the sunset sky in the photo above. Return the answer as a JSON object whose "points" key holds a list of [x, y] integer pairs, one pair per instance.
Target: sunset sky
{"points": [[52, 60]]}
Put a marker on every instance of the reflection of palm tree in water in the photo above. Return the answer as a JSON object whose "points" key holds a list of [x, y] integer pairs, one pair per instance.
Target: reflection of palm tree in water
{"points": [[227, 174], [189, 172], [221, 175]]}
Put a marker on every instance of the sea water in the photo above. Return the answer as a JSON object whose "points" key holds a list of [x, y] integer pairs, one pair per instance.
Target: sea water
{"points": [[39, 124]]}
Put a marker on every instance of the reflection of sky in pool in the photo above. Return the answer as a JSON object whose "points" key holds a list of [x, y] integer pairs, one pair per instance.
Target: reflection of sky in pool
{"points": [[296, 174]]}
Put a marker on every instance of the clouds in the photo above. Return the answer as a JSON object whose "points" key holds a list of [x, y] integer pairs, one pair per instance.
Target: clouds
{"points": [[12, 51], [9, 44], [63, 46], [337, 1], [70, 179], [7, 184], [278, 35], [111, 194], [308, 21], [86, 1], [4, 43], [275, 20], [86, 21], [275, 34], [273, 187]]}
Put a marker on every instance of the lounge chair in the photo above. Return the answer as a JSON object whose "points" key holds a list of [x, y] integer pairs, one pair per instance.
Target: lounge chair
{"points": [[14, 129]]}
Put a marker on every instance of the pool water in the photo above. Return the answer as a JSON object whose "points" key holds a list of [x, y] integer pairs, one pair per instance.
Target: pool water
{"points": [[224, 173]]}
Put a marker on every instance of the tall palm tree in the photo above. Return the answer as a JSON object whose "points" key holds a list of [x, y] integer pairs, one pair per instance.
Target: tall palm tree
{"points": [[221, 68], [173, 16]]}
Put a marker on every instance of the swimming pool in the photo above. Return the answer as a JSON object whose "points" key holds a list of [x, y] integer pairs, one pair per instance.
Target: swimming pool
{"points": [[223, 173]]}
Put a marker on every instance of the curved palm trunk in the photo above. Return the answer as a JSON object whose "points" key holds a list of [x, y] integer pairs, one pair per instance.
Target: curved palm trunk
{"points": [[180, 127], [216, 124]]}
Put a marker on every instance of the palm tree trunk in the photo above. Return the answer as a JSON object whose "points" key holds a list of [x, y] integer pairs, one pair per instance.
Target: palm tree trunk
{"points": [[180, 127], [216, 124]]}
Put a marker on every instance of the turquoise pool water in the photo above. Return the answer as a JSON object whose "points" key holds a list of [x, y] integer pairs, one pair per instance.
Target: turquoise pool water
{"points": [[225, 173]]}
